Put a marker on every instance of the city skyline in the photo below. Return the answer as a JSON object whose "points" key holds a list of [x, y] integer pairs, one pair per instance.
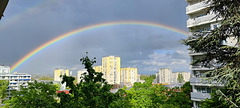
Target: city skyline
{"points": [[147, 48]]}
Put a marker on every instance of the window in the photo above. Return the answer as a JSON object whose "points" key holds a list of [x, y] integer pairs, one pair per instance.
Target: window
{"points": [[198, 89], [209, 90], [204, 90]]}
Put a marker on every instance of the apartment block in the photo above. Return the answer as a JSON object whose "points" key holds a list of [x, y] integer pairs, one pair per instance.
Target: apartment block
{"points": [[111, 68], [15, 80], [129, 75], [175, 75], [164, 75], [59, 71], [199, 21], [4, 69]]}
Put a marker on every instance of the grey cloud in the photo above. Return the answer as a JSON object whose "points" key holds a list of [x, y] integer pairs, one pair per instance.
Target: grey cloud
{"points": [[60, 16]]}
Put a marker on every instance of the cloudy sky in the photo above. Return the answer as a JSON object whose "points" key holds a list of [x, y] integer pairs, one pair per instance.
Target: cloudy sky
{"points": [[30, 23]]}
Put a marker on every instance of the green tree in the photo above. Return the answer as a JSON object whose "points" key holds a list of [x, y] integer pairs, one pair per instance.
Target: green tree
{"points": [[181, 97], [3, 89], [143, 77], [45, 78], [92, 91], [225, 59], [153, 76], [37, 94], [140, 94], [187, 89], [180, 78]]}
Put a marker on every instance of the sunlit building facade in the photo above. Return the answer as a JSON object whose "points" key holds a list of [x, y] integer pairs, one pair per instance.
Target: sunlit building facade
{"points": [[129, 75], [58, 72], [111, 68], [80, 75], [99, 69]]}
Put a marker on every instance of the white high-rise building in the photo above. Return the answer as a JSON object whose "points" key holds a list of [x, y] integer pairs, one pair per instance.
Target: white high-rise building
{"points": [[4, 69], [164, 75], [199, 21]]}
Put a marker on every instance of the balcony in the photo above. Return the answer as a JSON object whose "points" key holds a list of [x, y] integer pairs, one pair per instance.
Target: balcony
{"points": [[200, 68], [199, 96], [197, 80], [197, 7], [193, 53], [201, 20]]}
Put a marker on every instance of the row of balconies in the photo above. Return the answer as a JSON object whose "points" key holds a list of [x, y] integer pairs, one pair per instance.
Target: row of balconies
{"points": [[196, 96], [197, 7], [201, 20]]}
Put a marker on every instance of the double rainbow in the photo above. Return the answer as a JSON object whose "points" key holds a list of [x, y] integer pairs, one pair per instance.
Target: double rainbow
{"points": [[91, 27]]}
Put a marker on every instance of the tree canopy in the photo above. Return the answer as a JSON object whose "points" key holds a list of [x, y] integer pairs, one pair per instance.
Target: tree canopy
{"points": [[93, 91]]}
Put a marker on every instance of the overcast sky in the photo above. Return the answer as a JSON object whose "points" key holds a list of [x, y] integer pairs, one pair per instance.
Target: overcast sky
{"points": [[30, 23]]}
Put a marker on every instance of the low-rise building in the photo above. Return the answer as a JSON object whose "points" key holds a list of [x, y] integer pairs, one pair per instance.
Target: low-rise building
{"points": [[15, 80]]}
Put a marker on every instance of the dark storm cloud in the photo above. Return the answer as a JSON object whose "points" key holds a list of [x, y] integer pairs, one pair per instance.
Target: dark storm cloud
{"points": [[131, 43]]}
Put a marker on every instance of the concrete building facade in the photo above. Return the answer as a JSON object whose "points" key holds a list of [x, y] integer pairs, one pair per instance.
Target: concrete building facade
{"points": [[174, 77], [111, 68], [199, 21], [164, 75], [4, 69]]}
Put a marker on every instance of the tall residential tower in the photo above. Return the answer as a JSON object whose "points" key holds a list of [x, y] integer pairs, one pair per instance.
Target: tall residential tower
{"points": [[199, 21], [111, 68]]}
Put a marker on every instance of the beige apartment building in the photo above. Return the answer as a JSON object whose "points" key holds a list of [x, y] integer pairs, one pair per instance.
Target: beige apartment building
{"points": [[58, 72]]}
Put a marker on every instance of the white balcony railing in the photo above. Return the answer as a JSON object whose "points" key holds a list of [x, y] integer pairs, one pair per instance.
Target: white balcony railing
{"points": [[192, 53], [199, 68], [201, 20], [200, 96], [197, 7]]}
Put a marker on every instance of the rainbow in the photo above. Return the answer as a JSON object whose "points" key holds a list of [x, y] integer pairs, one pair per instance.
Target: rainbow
{"points": [[92, 27]]}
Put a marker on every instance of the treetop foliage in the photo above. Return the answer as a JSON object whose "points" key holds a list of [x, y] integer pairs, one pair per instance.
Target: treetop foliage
{"points": [[93, 91]]}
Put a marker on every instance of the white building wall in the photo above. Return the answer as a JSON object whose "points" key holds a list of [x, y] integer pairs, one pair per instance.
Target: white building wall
{"points": [[165, 75], [199, 20], [4, 69], [79, 75]]}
